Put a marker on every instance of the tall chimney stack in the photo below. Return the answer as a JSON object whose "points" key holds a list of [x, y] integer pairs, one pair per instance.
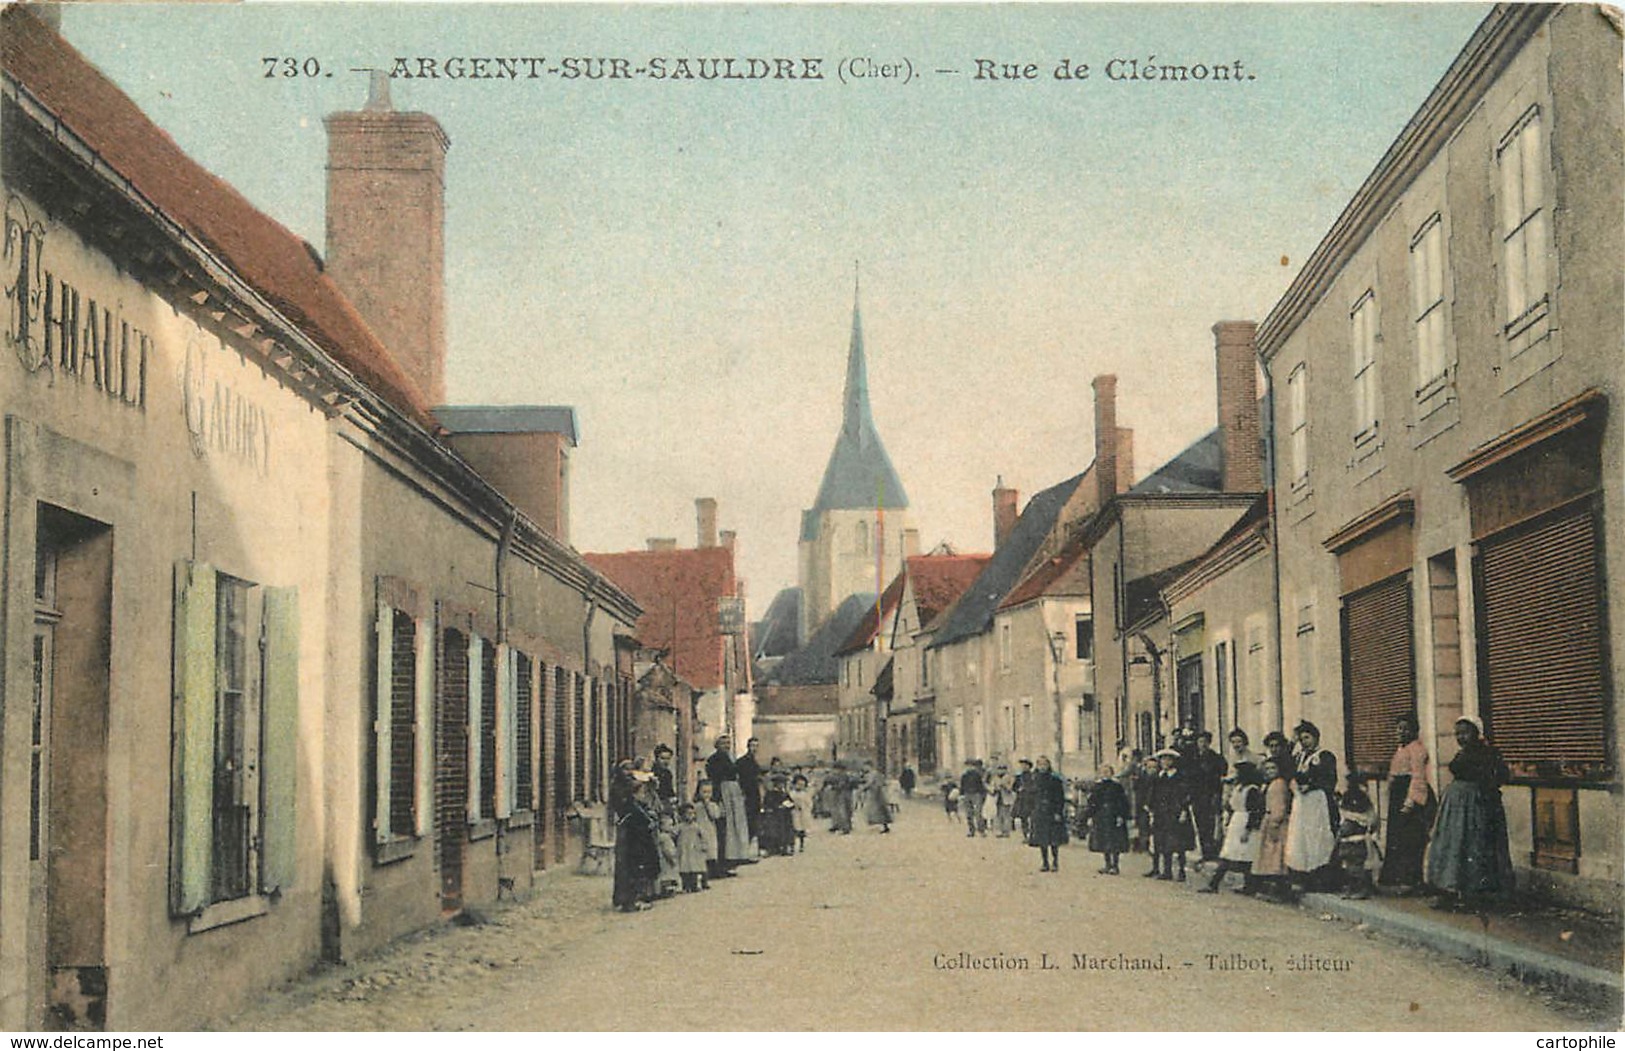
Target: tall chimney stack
{"points": [[1106, 434], [730, 540], [1125, 459], [386, 218], [1004, 511], [1235, 360], [705, 517]]}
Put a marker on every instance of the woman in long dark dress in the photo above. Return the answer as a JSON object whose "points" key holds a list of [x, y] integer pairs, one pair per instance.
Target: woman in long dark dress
{"points": [[1410, 810], [1048, 818], [1107, 812], [1470, 855], [637, 857]]}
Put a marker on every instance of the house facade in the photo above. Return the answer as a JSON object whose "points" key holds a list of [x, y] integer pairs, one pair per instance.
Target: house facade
{"points": [[1449, 459]]}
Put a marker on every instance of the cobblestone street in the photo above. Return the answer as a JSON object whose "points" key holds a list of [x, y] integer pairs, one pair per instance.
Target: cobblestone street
{"points": [[874, 931]]}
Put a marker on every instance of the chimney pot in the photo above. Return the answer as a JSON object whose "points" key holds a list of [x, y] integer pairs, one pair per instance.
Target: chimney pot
{"points": [[705, 514], [730, 540]]}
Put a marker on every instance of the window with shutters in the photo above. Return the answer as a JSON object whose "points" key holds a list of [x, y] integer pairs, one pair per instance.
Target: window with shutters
{"points": [[1379, 670], [1307, 655], [1297, 426], [1083, 634], [1525, 276], [400, 698], [1367, 390], [235, 737], [1542, 635], [1428, 311]]}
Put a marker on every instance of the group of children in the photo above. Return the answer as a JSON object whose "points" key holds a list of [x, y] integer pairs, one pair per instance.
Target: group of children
{"points": [[1258, 802], [690, 855]]}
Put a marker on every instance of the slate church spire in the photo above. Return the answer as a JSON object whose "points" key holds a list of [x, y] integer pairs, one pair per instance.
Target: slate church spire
{"points": [[859, 474]]}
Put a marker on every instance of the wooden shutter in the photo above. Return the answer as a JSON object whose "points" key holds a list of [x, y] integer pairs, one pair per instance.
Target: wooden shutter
{"points": [[403, 751], [560, 736], [1542, 624], [524, 732], [193, 744], [279, 743], [1379, 669], [505, 730], [476, 669], [382, 719], [423, 652], [578, 734], [490, 688]]}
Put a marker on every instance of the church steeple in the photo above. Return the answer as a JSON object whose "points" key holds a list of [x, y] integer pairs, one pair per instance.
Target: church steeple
{"points": [[860, 474]]}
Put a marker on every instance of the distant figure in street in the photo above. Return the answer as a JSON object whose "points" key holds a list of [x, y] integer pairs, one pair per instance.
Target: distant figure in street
{"points": [[801, 816], [1357, 839], [1003, 794], [1311, 835], [1410, 810], [1048, 821], [1145, 777], [906, 781], [733, 833], [776, 825], [972, 797], [1206, 780], [1243, 834], [1022, 784], [709, 813], [1270, 867], [1172, 833], [691, 849], [840, 786], [750, 785], [1469, 856], [1107, 812], [950, 799], [665, 781], [637, 857], [876, 806]]}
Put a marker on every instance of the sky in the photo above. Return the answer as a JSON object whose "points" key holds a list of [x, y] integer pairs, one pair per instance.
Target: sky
{"points": [[675, 258]]}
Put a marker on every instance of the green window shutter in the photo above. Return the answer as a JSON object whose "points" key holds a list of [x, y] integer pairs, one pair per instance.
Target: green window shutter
{"points": [[476, 670], [279, 742], [382, 716], [192, 805], [423, 639]]}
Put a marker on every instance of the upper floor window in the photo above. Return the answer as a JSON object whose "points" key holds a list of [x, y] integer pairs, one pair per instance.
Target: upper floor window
{"points": [[1427, 303], [1363, 341], [1004, 646], [1525, 277], [861, 538], [1084, 636], [1297, 424]]}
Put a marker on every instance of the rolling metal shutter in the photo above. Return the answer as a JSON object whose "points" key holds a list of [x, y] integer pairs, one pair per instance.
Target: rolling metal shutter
{"points": [[1379, 667], [1541, 619]]}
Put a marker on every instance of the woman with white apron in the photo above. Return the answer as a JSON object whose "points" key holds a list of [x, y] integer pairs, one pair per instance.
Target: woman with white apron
{"points": [[1311, 836]]}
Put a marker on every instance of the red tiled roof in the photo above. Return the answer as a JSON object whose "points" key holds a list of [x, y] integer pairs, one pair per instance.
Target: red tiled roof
{"points": [[678, 591], [263, 252], [940, 579], [1065, 573]]}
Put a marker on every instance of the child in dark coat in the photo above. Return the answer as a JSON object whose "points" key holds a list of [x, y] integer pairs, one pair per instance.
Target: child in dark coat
{"points": [[1107, 812]]}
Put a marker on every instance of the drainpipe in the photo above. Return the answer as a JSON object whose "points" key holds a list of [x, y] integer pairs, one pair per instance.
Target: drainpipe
{"points": [[504, 549], [1275, 552]]}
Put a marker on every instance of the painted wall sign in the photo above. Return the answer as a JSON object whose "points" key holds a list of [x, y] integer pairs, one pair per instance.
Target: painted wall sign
{"points": [[220, 418], [54, 328]]}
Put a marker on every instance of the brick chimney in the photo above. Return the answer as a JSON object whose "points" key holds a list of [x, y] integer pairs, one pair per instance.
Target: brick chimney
{"points": [[386, 217], [911, 542], [1004, 511], [730, 540], [1236, 364], [662, 543], [1125, 459], [1106, 434], [705, 519]]}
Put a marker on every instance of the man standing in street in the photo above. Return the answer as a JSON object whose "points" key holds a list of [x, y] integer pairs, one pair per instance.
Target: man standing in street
{"points": [[1207, 769], [750, 783], [665, 780], [972, 797]]}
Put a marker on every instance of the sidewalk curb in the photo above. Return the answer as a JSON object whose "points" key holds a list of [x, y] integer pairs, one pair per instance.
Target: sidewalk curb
{"points": [[1576, 980]]}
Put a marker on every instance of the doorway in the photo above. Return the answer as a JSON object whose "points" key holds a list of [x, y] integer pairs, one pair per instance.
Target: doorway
{"points": [[68, 740]]}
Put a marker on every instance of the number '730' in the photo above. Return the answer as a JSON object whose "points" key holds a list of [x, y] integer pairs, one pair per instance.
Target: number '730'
{"points": [[291, 67]]}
